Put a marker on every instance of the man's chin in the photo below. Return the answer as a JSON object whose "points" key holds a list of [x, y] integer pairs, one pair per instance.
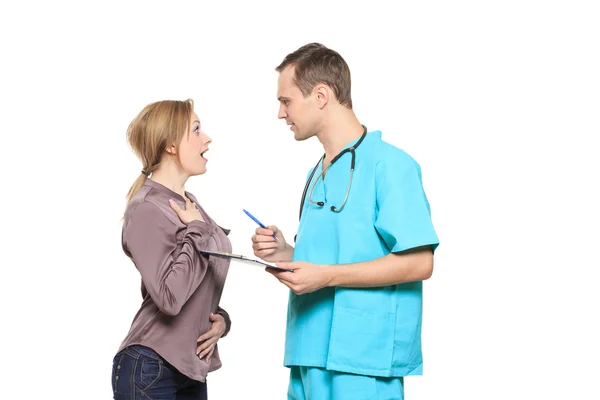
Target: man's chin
{"points": [[300, 137]]}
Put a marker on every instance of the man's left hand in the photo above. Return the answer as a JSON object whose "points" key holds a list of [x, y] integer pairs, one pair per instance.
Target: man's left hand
{"points": [[306, 278]]}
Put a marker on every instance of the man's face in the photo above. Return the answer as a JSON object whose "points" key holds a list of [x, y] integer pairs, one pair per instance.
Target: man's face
{"points": [[301, 113]]}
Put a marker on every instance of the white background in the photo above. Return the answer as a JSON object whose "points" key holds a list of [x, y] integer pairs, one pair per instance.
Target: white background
{"points": [[498, 101]]}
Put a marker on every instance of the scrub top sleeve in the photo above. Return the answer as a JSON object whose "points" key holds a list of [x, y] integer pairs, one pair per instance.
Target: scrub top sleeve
{"points": [[403, 215]]}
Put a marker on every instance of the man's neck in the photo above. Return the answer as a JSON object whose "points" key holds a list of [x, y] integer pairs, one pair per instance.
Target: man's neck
{"points": [[336, 135]]}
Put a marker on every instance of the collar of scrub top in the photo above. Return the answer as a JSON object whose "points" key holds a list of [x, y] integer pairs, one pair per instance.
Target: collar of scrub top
{"points": [[351, 150]]}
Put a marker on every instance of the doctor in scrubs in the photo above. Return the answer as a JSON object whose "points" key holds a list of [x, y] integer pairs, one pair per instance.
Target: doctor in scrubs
{"points": [[365, 243]]}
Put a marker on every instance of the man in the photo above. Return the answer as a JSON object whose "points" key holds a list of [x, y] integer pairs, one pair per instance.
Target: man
{"points": [[364, 245]]}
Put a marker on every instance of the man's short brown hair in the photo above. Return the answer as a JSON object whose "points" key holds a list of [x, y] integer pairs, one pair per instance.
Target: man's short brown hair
{"points": [[314, 64]]}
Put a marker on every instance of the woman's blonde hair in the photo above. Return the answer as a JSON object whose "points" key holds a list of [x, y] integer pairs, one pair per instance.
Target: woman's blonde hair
{"points": [[154, 129]]}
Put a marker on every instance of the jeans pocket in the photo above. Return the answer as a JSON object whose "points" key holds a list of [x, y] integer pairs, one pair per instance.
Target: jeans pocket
{"points": [[151, 370], [123, 366], [115, 370]]}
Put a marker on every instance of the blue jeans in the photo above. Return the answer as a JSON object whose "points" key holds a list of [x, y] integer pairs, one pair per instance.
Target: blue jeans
{"points": [[140, 374]]}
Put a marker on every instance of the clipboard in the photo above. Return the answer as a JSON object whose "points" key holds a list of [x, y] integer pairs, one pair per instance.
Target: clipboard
{"points": [[240, 257]]}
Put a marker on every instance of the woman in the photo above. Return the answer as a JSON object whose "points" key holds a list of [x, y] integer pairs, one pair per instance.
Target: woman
{"points": [[172, 343]]}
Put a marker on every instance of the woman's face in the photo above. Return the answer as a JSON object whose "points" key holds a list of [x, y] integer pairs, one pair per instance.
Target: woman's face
{"points": [[192, 148]]}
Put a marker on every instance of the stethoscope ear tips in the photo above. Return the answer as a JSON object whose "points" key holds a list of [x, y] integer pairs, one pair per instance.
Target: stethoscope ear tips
{"points": [[333, 209]]}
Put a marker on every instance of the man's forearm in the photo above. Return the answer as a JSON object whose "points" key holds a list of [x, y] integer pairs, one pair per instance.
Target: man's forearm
{"points": [[388, 270]]}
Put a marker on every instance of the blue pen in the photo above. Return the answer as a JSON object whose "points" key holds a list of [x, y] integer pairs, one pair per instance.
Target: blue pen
{"points": [[258, 222]]}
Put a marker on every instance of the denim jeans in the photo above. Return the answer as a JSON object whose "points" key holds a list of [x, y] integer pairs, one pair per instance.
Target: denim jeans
{"points": [[140, 374]]}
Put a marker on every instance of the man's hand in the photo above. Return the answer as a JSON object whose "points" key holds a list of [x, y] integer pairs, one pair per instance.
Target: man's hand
{"points": [[268, 248], [208, 341], [306, 278]]}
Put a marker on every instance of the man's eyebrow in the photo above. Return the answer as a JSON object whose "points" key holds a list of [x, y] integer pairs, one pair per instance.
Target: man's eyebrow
{"points": [[283, 98]]}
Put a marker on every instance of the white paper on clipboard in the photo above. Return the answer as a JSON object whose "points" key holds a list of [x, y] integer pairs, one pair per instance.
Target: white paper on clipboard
{"points": [[245, 259]]}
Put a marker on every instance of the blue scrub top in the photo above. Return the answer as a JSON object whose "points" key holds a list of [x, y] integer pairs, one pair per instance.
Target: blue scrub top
{"points": [[375, 331]]}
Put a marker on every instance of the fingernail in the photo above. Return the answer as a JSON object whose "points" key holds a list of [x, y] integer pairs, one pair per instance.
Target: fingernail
{"points": [[171, 202]]}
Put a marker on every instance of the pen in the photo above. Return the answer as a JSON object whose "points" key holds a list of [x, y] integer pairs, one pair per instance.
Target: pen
{"points": [[258, 222]]}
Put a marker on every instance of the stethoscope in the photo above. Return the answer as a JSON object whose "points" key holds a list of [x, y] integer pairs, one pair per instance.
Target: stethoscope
{"points": [[352, 150]]}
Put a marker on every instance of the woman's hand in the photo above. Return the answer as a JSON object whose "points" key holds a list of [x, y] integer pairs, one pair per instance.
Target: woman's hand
{"points": [[208, 341], [191, 212]]}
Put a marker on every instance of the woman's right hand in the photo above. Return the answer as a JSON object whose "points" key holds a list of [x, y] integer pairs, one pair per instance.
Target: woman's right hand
{"points": [[268, 248], [191, 212]]}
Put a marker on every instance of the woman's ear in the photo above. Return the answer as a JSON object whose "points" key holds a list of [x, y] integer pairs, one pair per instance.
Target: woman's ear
{"points": [[171, 149]]}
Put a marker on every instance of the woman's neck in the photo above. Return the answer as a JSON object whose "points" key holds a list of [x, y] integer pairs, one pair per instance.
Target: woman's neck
{"points": [[171, 177]]}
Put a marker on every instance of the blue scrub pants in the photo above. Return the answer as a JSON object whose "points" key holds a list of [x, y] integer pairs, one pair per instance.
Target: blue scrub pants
{"points": [[310, 383]]}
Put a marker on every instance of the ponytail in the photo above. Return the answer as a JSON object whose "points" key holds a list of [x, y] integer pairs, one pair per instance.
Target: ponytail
{"points": [[137, 185]]}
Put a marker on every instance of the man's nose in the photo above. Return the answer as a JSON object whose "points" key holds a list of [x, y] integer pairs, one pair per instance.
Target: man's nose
{"points": [[282, 112]]}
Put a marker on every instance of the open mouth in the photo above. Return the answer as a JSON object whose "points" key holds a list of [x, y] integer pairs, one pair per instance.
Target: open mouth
{"points": [[203, 154]]}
